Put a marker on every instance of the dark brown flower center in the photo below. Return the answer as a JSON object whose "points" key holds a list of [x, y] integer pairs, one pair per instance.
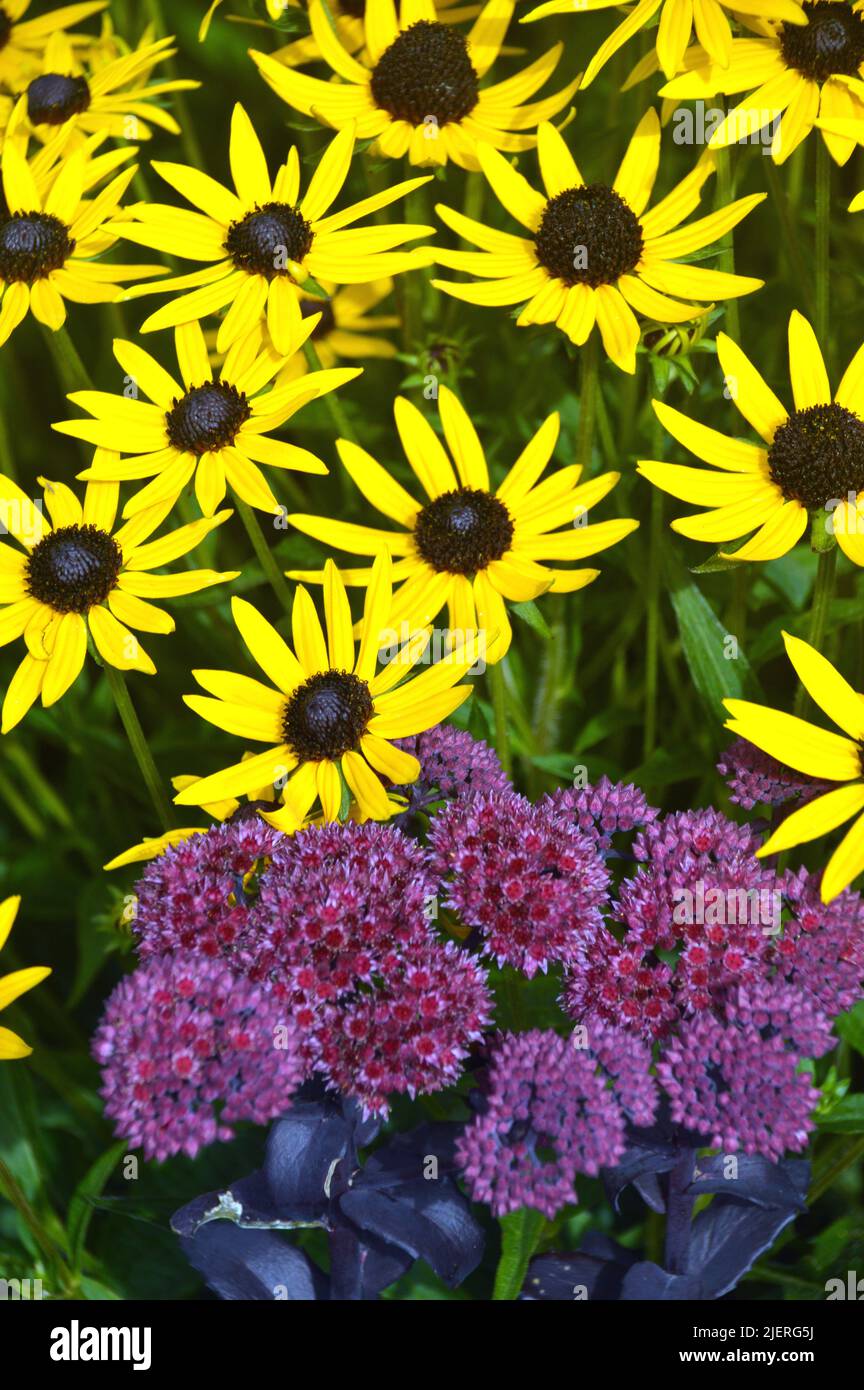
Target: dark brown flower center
{"points": [[817, 455], [308, 307], [32, 244], [588, 236], [831, 43], [53, 98], [265, 240], [5, 27], [327, 716], [461, 532], [73, 568], [207, 417], [426, 72]]}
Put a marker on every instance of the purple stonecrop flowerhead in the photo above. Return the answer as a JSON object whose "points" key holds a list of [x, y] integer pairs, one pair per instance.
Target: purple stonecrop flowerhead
{"points": [[552, 1110], [734, 1078], [337, 927], [409, 1035], [187, 1048], [821, 947], [452, 765], [603, 808], [193, 896], [756, 779], [698, 893], [524, 877]]}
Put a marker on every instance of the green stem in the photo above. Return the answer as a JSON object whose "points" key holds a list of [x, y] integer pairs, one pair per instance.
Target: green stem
{"points": [[653, 626], [495, 679], [72, 373], [840, 1157], [725, 195], [791, 240], [738, 606], [266, 559], [823, 591], [139, 745], [822, 241], [589, 388], [192, 147], [338, 414], [14, 1194]]}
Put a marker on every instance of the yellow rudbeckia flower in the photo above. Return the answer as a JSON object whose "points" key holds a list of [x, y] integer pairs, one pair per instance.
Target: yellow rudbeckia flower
{"points": [[416, 87], [346, 327], [77, 575], [259, 242], [593, 254], [349, 19], [467, 546], [23, 40], [215, 428], [795, 75], [50, 231], [13, 986], [818, 753], [331, 713], [678, 18], [810, 460], [96, 93]]}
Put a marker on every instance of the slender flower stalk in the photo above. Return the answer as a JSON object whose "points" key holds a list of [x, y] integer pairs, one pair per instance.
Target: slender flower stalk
{"points": [[139, 745]]}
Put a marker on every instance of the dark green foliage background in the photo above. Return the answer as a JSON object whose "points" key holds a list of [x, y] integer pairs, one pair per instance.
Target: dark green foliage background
{"points": [[71, 797]]}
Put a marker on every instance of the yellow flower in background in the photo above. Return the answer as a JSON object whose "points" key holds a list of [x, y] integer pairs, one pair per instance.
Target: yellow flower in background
{"points": [[23, 40], [594, 255], [13, 986], [795, 75], [96, 93], [49, 233], [260, 242], [154, 845], [215, 428], [77, 575], [678, 19], [346, 327], [465, 546], [818, 753], [417, 89], [331, 712], [811, 459]]}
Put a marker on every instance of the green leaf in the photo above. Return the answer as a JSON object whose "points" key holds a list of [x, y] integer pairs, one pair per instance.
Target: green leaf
{"points": [[850, 1026], [530, 614], [82, 1204], [846, 1118], [520, 1235], [717, 665]]}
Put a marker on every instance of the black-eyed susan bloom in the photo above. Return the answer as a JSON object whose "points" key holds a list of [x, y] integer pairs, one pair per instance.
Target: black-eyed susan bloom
{"points": [[215, 428], [97, 92], [49, 231], [594, 254], [76, 575], [23, 40], [810, 460], [818, 753], [465, 546], [331, 710], [416, 89], [260, 240], [12, 1048], [678, 19], [795, 75]]}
